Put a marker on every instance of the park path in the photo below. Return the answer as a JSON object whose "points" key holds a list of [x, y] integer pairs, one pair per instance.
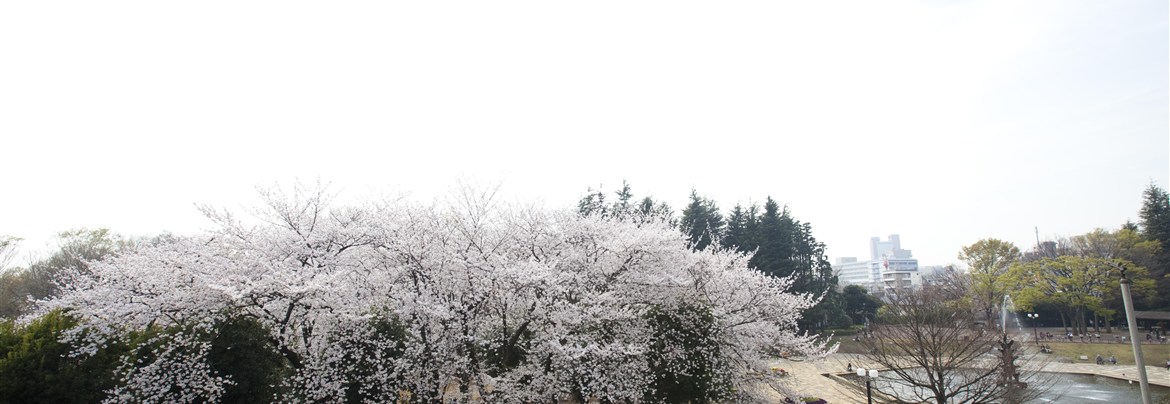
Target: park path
{"points": [[1156, 375], [812, 377]]}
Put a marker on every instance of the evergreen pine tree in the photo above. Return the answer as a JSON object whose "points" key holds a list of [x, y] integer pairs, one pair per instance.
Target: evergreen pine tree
{"points": [[1155, 215], [1155, 225], [786, 247], [751, 238], [701, 221], [646, 207], [736, 232], [592, 203], [816, 276], [775, 236], [622, 207], [782, 246]]}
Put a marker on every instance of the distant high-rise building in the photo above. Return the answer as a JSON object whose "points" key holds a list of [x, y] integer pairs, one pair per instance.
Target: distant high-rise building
{"points": [[891, 247], [889, 267]]}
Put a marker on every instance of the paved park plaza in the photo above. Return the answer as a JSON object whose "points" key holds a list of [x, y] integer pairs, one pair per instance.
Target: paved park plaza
{"points": [[816, 377], [820, 377]]}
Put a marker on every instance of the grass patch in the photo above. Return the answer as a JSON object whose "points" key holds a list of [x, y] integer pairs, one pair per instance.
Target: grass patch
{"points": [[1153, 354], [848, 345]]}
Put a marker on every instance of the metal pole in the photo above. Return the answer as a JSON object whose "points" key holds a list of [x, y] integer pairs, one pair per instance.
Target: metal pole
{"points": [[1137, 345], [868, 392], [1035, 332]]}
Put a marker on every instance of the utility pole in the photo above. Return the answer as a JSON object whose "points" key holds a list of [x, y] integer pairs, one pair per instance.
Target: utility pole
{"points": [[1040, 251]]}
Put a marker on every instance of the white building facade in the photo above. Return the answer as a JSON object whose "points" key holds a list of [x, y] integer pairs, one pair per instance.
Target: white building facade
{"points": [[889, 266]]}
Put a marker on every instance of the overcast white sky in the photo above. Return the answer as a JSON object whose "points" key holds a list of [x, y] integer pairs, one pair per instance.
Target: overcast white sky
{"points": [[943, 121]]}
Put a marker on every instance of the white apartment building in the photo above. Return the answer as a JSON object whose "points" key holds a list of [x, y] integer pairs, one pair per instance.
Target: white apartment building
{"points": [[851, 271], [889, 266]]}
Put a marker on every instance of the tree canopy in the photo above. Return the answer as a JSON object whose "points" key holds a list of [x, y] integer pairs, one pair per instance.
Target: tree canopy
{"points": [[859, 304], [467, 298], [778, 244], [76, 249], [988, 261], [1075, 286], [1155, 226], [935, 353]]}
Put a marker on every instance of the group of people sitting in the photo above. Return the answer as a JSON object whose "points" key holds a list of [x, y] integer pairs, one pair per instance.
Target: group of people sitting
{"points": [[1101, 361], [1151, 338]]}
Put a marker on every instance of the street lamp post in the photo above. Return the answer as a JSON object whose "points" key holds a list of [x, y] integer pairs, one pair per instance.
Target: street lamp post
{"points": [[868, 375], [1131, 321], [1034, 317]]}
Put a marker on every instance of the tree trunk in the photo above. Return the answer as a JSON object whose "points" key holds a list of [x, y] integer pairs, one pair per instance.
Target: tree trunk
{"points": [[990, 318], [1084, 321], [294, 359], [510, 344]]}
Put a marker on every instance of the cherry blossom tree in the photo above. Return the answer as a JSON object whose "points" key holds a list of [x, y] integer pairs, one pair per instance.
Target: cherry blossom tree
{"points": [[464, 299]]}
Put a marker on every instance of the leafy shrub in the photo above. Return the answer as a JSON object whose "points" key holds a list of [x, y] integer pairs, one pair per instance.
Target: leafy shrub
{"points": [[682, 356], [36, 367], [240, 350]]}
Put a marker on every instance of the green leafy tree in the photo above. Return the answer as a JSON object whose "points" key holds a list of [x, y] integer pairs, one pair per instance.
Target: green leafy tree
{"points": [[1074, 285], [988, 261], [9, 246], [14, 292], [241, 350], [1143, 253], [35, 366], [689, 331], [859, 304], [76, 249], [1122, 244]]}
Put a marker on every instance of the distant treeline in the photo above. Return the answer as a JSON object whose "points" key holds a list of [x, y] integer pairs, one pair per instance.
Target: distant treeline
{"points": [[781, 245]]}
